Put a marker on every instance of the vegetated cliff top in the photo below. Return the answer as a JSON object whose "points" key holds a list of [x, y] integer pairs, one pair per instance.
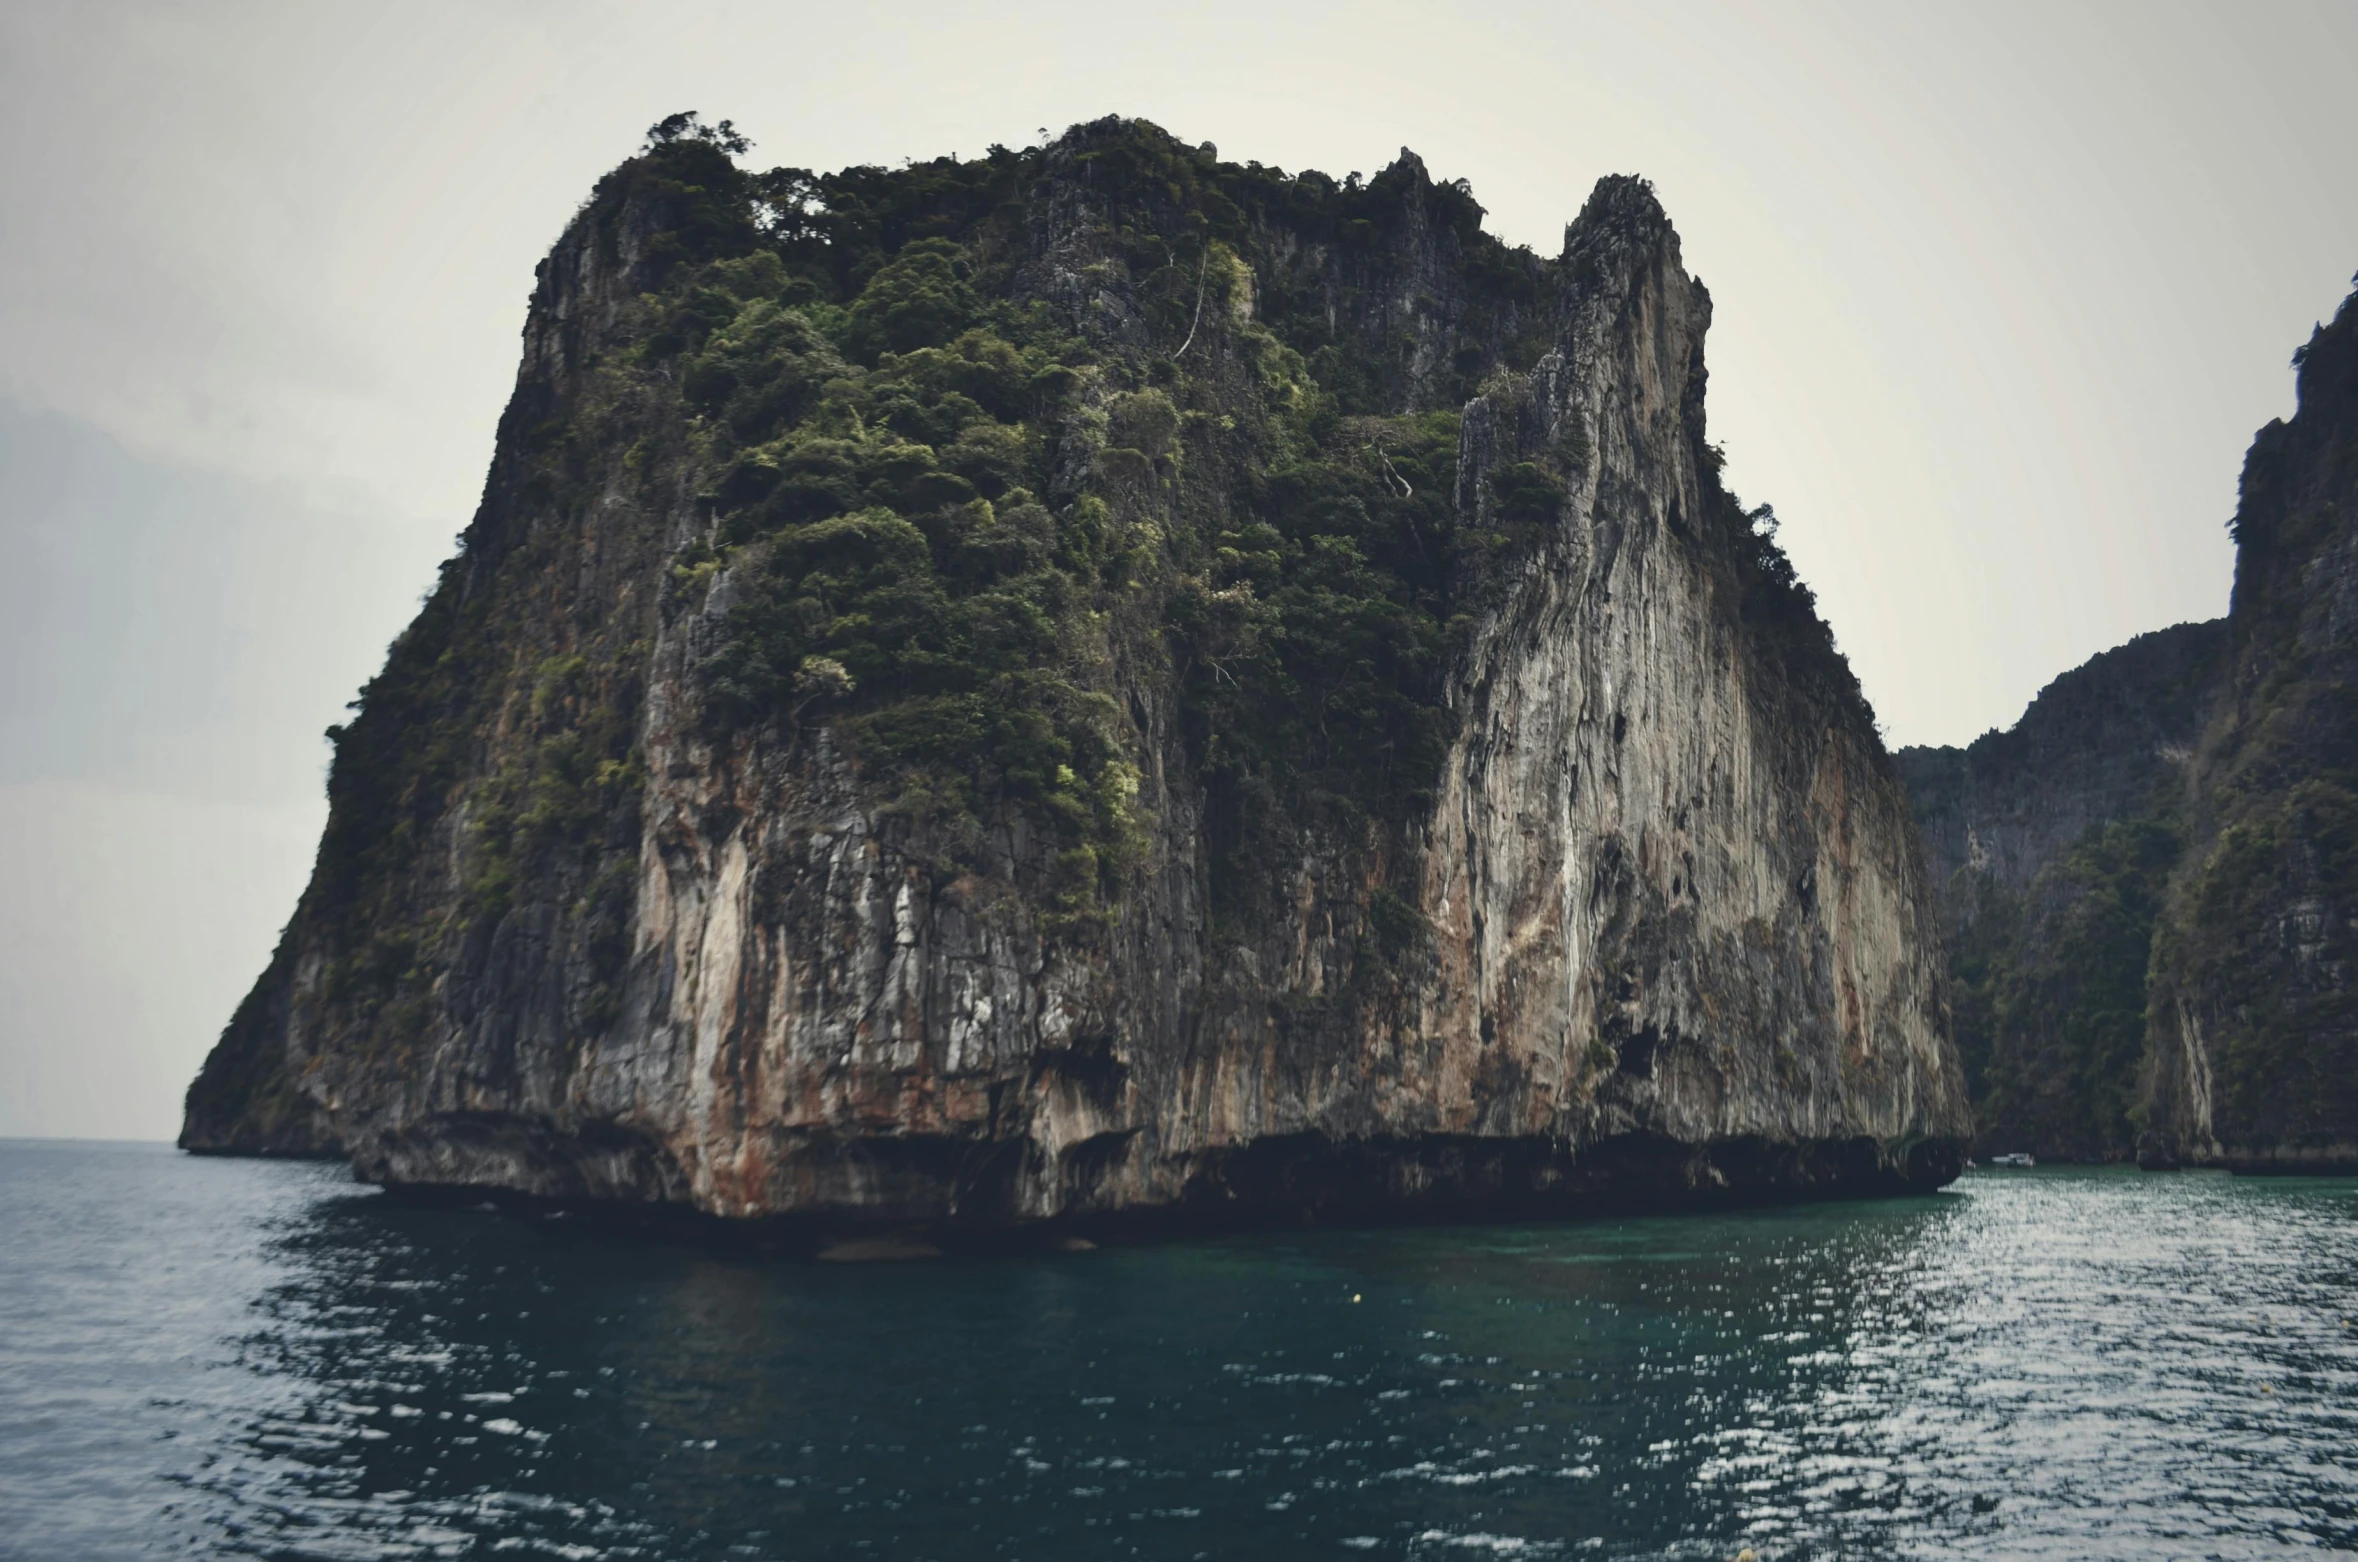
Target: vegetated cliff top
{"points": [[884, 350]]}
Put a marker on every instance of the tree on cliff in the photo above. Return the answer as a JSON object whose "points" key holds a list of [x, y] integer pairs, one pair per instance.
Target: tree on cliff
{"points": [[690, 126]]}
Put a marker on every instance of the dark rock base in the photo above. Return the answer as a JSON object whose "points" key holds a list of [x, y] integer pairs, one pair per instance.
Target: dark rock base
{"points": [[2309, 1160], [963, 1203]]}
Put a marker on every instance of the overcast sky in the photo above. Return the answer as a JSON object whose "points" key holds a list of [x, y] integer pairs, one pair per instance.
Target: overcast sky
{"points": [[2002, 292]]}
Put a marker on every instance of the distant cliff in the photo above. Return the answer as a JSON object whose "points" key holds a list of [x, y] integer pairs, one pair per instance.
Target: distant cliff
{"points": [[1100, 680], [2052, 844], [2254, 1005], [2149, 886]]}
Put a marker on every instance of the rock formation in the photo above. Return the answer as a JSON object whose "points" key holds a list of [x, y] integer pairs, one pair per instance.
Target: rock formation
{"points": [[1094, 682], [2253, 1019], [2052, 844], [2149, 884]]}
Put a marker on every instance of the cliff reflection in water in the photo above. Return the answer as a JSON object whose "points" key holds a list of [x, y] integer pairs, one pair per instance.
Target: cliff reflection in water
{"points": [[2065, 1364]]}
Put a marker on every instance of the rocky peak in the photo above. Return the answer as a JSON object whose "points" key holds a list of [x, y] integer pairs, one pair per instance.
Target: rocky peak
{"points": [[1620, 214]]}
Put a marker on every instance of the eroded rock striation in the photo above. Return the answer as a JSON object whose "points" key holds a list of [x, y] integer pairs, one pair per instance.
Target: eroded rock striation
{"points": [[1099, 681]]}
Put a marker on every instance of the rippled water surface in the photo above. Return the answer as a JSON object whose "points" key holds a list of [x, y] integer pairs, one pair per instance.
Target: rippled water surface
{"points": [[253, 1359]]}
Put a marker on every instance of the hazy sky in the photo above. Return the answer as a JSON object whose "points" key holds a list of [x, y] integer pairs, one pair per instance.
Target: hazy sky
{"points": [[2002, 292]]}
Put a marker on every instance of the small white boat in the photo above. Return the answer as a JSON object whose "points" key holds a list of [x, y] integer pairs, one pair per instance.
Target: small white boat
{"points": [[2018, 1158]]}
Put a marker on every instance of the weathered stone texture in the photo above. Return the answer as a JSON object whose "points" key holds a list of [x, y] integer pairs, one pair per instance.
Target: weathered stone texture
{"points": [[1677, 936]]}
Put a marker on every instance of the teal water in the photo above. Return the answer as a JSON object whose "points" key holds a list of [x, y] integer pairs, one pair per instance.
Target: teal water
{"points": [[219, 1358]]}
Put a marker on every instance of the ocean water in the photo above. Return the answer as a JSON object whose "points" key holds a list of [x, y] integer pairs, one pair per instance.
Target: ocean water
{"points": [[222, 1358]]}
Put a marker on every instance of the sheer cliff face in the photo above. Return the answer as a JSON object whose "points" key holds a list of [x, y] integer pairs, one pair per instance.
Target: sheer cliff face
{"points": [[2051, 845], [1389, 811], [1673, 885], [2254, 1017]]}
